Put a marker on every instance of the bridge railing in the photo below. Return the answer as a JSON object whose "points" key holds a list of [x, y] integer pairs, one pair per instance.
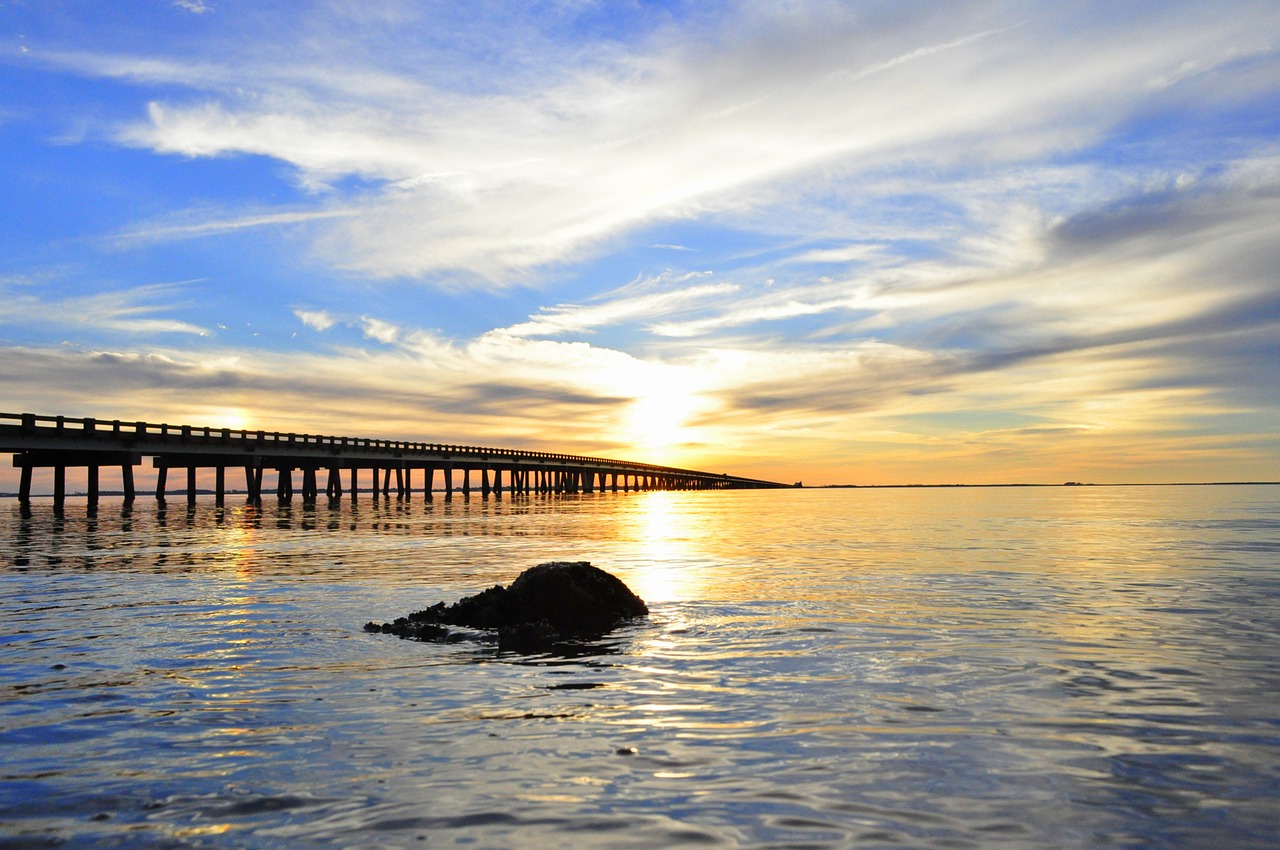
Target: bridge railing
{"points": [[265, 440]]}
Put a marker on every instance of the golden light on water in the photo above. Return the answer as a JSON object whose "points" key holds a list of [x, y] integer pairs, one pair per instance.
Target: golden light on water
{"points": [[241, 539], [665, 535]]}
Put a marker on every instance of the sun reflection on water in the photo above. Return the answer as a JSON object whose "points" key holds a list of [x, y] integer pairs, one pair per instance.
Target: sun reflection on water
{"points": [[666, 537]]}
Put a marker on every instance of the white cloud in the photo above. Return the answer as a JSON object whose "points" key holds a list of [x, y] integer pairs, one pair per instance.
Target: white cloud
{"points": [[845, 255], [129, 311], [319, 320], [160, 232], [376, 329], [626, 305], [503, 183], [195, 7]]}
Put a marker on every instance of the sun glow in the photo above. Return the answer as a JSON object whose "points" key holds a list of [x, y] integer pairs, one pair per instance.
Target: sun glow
{"points": [[235, 418], [658, 420]]}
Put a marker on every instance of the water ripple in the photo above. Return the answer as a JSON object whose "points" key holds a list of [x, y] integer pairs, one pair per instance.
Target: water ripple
{"points": [[934, 669]]}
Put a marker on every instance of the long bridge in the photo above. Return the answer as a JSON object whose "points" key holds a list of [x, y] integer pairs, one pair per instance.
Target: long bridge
{"points": [[59, 443]]}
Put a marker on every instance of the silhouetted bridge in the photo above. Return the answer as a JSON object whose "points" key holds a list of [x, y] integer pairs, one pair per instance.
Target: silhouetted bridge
{"points": [[59, 443]]}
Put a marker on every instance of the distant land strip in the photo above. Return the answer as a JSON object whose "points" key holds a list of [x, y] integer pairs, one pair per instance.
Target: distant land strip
{"points": [[1065, 484]]}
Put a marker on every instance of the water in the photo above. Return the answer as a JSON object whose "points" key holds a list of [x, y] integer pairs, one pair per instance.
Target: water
{"points": [[955, 668]]}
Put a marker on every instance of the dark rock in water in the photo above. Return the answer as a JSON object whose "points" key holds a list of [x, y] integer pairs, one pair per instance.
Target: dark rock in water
{"points": [[545, 605]]}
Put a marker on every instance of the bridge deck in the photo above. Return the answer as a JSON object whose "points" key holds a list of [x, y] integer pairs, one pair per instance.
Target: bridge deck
{"points": [[60, 442]]}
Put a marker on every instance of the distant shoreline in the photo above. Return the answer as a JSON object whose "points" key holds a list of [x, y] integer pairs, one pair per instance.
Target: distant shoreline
{"points": [[1067, 484]]}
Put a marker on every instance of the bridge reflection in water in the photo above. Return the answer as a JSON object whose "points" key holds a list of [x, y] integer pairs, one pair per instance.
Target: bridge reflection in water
{"points": [[393, 466]]}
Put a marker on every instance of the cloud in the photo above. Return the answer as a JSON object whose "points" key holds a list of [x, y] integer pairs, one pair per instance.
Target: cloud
{"points": [[627, 305], [544, 170], [195, 7], [376, 329], [844, 255], [127, 311], [162, 232], [566, 394], [319, 320]]}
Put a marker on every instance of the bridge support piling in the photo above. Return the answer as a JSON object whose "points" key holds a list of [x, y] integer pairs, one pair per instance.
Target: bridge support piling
{"points": [[310, 489], [284, 483], [162, 478], [253, 483], [191, 485]]}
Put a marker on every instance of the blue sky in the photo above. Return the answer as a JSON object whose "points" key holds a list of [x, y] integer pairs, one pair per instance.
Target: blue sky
{"points": [[838, 242]]}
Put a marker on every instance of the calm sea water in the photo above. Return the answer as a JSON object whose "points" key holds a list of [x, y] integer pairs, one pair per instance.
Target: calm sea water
{"points": [[954, 668]]}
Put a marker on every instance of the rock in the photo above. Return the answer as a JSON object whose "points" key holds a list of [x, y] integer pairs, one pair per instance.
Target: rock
{"points": [[545, 605]]}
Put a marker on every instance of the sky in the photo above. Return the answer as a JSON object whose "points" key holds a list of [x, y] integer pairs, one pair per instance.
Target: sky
{"points": [[862, 243]]}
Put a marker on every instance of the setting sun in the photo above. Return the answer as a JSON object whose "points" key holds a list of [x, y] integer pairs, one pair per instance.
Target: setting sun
{"points": [[658, 420], [235, 418]]}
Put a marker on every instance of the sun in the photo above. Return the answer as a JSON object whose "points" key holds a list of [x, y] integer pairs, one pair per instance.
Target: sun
{"points": [[235, 418], [659, 419]]}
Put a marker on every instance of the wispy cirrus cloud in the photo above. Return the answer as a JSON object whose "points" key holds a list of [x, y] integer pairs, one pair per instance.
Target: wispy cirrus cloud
{"points": [[171, 230], [525, 175], [195, 7], [129, 311], [641, 300]]}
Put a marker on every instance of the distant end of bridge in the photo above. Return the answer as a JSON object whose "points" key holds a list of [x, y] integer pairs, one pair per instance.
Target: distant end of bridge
{"points": [[60, 443]]}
